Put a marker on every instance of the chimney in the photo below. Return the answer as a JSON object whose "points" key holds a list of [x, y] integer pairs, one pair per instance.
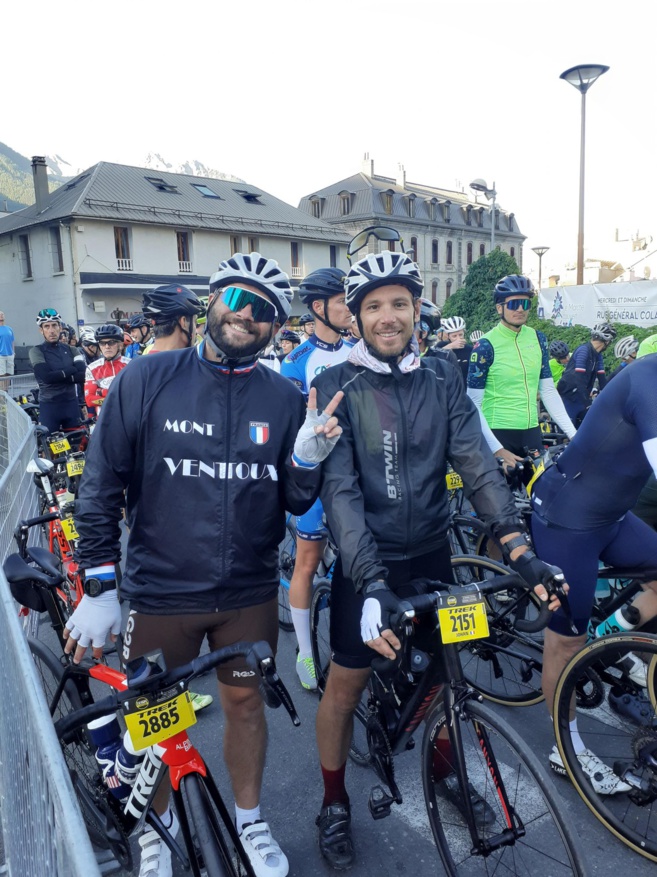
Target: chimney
{"points": [[40, 175], [367, 165], [401, 176]]}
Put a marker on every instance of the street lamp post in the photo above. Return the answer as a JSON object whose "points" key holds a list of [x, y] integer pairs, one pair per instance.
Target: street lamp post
{"points": [[540, 252], [582, 78], [479, 185]]}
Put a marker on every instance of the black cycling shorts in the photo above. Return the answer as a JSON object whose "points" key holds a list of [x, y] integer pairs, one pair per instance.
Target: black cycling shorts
{"points": [[181, 636], [347, 646], [519, 441]]}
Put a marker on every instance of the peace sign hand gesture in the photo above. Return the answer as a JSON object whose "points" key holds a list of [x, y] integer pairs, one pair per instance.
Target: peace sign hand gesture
{"points": [[319, 433]]}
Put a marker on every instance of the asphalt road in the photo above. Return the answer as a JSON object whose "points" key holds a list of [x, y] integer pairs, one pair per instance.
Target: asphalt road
{"points": [[402, 843]]}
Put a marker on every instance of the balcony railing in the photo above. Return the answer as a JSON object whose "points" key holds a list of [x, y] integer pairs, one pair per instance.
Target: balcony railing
{"points": [[184, 267], [296, 272], [124, 264]]}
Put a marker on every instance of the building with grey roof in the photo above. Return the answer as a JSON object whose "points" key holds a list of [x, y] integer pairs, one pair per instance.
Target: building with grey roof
{"points": [[446, 230], [93, 246]]}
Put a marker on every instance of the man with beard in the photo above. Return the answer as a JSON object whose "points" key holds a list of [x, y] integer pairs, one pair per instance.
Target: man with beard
{"points": [[385, 499], [210, 450], [58, 369]]}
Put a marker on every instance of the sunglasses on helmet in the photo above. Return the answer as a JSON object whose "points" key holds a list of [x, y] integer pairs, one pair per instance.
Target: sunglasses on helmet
{"points": [[236, 298], [380, 232], [515, 304], [47, 312]]}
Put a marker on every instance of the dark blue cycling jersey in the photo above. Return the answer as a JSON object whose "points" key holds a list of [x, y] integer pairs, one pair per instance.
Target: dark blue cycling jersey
{"points": [[600, 475]]}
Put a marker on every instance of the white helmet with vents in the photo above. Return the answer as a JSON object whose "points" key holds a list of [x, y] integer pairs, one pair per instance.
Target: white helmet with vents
{"points": [[475, 335], [265, 274], [625, 347], [381, 269], [453, 324]]}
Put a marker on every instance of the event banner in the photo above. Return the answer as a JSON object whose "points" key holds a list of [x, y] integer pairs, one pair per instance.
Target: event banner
{"points": [[634, 303]]}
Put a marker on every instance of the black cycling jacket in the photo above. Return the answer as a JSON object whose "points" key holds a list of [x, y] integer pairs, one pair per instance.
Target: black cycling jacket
{"points": [[383, 485], [203, 455], [58, 368]]}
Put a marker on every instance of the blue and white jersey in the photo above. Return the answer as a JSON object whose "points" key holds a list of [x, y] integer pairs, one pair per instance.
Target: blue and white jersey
{"points": [[312, 358]]}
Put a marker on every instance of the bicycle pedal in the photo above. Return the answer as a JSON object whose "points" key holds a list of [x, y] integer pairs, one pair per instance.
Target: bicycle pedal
{"points": [[380, 803]]}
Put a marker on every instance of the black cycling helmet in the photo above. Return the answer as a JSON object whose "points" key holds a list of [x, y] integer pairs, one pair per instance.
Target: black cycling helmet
{"points": [[306, 318], [289, 335], [165, 303], [512, 284], [558, 349], [109, 332], [139, 321], [430, 313], [323, 283]]}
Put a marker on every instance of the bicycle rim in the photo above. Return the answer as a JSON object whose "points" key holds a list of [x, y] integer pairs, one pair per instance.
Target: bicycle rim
{"points": [[497, 758], [105, 832], [320, 632], [506, 666], [204, 824], [287, 551], [624, 744]]}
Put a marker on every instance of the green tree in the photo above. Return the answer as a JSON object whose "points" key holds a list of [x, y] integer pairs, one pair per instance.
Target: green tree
{"points": [[474, 301]]}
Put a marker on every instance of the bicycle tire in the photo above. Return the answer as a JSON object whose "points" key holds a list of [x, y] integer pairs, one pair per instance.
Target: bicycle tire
{"points": [[615, 739], [549, 846], [217, 858], [506, 666], [287, 552], [320, 632], [104, 829]]}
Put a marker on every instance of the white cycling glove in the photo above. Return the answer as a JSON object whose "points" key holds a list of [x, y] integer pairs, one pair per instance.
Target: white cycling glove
{"points": [[370, 620], [311, 449], [94, 619]]}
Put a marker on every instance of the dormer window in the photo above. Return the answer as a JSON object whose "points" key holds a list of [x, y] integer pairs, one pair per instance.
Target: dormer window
{"points": [[480, 217], [411, 207], [386, 198], [468, 214], [510, 221], [446, 206], [316, 207], [431, 209], [345, 203]]}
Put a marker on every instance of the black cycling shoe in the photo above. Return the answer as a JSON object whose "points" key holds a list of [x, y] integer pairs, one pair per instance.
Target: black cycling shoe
{"points": [[335, 842], [637, 708], [483, 812]]}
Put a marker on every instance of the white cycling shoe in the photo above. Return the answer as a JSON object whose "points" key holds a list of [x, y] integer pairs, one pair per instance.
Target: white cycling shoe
{"points": [[155, 854], [266, 857], [600, 775]]}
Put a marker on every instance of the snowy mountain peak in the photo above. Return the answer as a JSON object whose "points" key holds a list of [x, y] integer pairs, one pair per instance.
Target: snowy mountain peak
{"points": [[154, 161]]}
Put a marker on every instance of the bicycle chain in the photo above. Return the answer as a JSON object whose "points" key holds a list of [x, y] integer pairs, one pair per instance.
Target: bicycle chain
{"points": [[380, 750]]}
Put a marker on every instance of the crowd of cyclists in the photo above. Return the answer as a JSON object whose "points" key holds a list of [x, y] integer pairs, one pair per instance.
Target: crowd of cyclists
{"points": [[347, 420]]}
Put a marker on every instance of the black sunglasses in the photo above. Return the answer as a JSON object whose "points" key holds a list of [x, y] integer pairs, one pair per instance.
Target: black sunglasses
{"points": [[380, 232]]}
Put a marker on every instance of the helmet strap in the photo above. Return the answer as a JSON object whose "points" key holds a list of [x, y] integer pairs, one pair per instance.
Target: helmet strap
{"points": [[325, 319]]}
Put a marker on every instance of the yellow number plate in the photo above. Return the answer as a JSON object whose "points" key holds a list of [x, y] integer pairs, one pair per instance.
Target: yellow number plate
{"points": [[75, 467], [151, 723], [60, 446], [462, 619], [454, 480], [68, 526]]}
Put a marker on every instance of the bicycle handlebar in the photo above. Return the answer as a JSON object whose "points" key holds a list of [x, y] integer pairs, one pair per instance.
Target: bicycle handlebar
{"points": [[259, 657]]}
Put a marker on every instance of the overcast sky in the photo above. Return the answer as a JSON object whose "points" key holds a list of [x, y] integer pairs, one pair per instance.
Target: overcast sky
{"points": [[288, 96]]}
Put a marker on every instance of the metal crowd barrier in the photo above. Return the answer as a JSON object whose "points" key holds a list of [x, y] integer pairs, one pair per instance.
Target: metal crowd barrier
{"points": [[19, 384], [42, 829]]}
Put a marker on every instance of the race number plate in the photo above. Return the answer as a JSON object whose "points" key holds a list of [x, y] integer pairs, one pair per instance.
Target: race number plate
{"points": [[68, 526], [150, 721], [454, 481], [75, 467], [60, 446], [462, 618]]}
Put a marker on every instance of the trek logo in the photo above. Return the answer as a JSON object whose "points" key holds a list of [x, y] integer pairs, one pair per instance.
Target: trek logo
{"points": [[390, 456], [189, 426], [144, 784], [222, 471]]}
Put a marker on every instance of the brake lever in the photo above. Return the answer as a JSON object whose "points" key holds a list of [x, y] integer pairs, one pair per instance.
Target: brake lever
{"points": [[274, 690], [556, 586]]}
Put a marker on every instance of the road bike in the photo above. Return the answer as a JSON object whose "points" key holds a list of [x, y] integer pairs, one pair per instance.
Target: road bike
{"points": [[621, 729], [527, 831], [286, 557]]}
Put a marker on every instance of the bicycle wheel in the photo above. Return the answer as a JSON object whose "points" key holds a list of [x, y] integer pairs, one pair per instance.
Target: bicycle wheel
{"points": [[499, 765], [209, 837], [287, 552], [622, 732], [506, 666], [104, 828], [320, 630]]}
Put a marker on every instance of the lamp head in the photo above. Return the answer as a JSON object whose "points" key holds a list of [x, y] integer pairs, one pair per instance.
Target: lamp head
{"points": [[583, 76]]}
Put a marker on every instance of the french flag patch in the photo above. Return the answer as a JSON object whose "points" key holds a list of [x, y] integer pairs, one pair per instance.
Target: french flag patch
{"points": [[259, 432]]}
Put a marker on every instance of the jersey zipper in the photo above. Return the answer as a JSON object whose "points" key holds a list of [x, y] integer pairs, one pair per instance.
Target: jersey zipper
{"points": [[524, 374]]}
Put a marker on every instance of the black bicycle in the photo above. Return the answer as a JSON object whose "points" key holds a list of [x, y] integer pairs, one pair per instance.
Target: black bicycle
{"points": [[487, 764]]}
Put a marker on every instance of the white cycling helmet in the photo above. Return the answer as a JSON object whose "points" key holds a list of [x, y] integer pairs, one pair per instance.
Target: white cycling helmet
{"points": [[48, 315], [265, 274], [625, 347], [87, 335], [475, 335], [603, 332], [452, 324], [381, 269]]}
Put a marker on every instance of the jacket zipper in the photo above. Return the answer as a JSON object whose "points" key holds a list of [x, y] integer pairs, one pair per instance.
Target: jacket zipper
{"points": [[226, 480], [404, 461]]}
